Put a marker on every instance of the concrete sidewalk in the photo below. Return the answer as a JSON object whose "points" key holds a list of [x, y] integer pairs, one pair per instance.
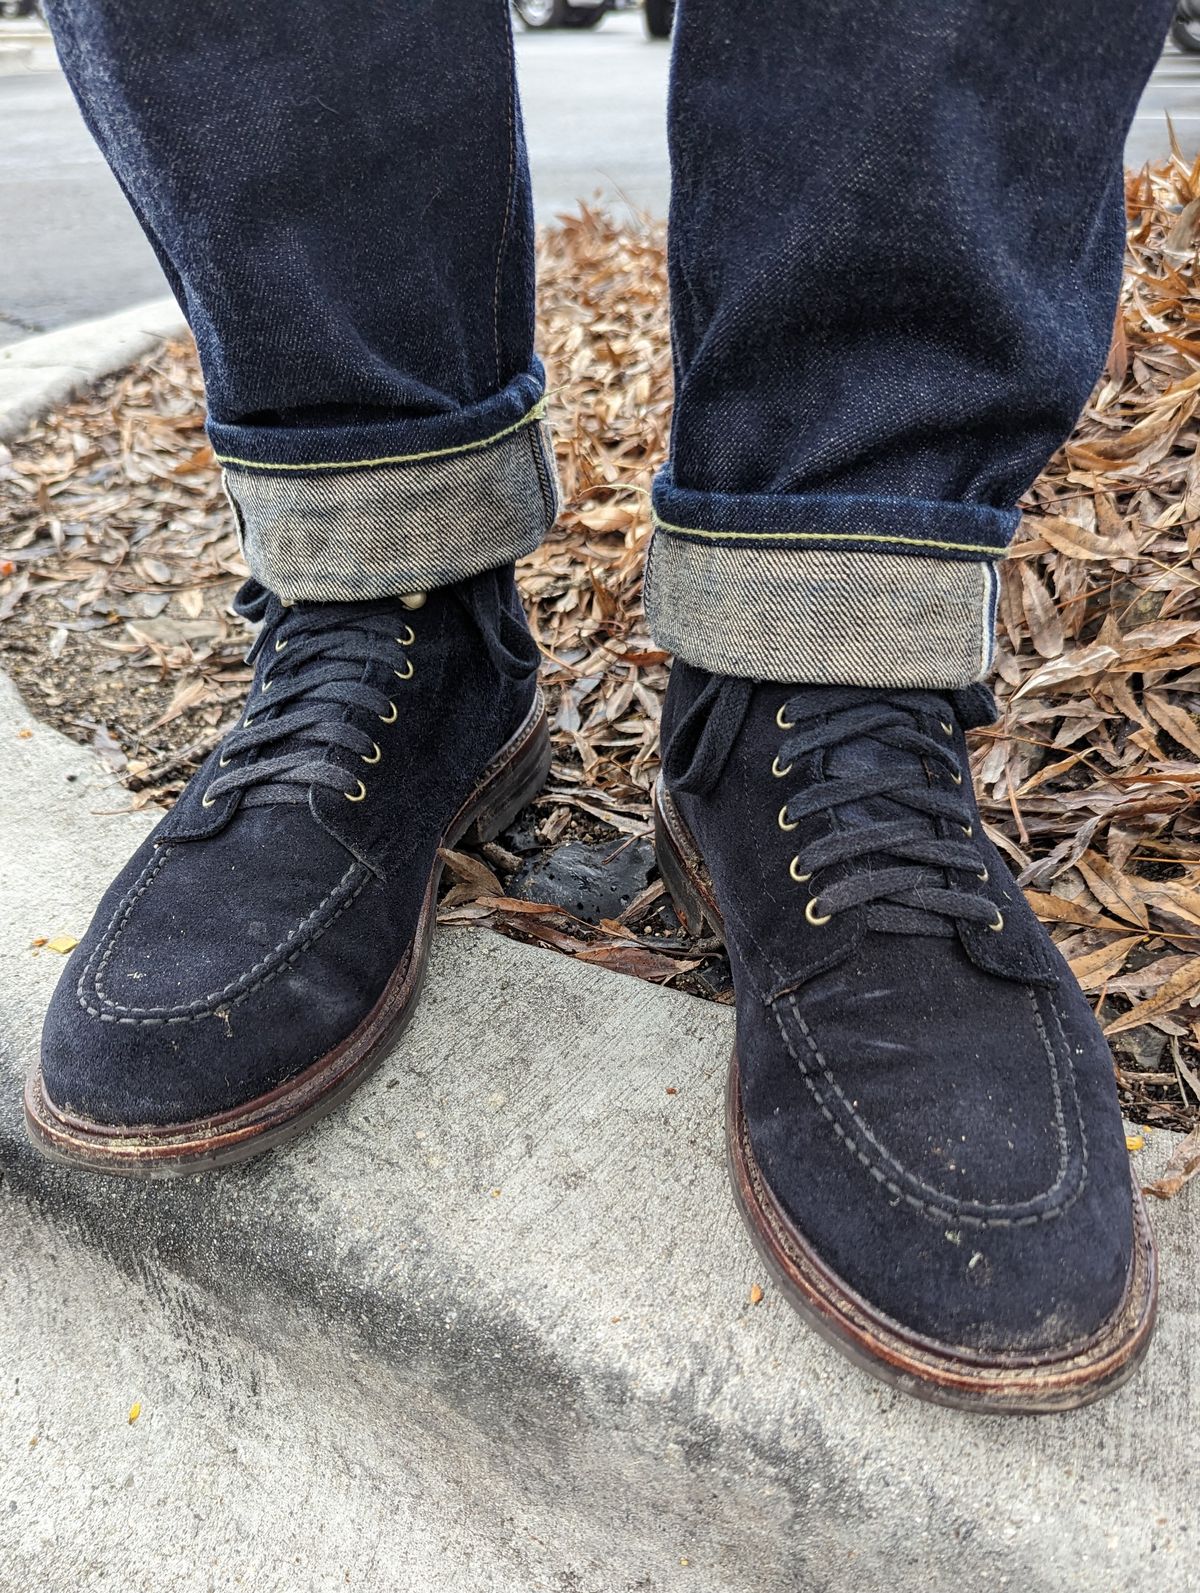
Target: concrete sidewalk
{"points": [[488, 1327]]}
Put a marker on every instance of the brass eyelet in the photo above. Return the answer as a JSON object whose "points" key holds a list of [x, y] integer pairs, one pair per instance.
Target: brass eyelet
{"points": [[279, 646], [206, 801], [412, 600], [999, 924], [356, 796], [777, 771], [956, 778], [408, 638], [799, 878], [222, 762], [783, 823], [375, 756], [406, 673], [947, 730], [389, 719], [813, 916], [247, 722], [265, 687], [968, 830], [982, 876], [784, 724]]}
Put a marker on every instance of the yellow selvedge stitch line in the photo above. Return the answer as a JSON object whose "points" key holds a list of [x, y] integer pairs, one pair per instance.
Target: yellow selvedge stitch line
{"points": [[830, 536], [538, 412]]}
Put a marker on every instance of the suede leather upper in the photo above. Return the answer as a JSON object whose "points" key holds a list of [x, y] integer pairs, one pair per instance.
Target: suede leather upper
{"points": [[242, 942], [931, 1102]]}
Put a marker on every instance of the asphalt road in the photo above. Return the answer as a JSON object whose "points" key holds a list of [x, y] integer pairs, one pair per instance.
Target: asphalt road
{"points": [[594, 119]]}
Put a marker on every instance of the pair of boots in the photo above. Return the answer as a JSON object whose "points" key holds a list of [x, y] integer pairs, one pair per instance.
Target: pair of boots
{"points": [[923, 1128]]}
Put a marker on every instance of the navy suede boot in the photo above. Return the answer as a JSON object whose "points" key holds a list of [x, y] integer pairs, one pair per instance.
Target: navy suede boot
{"points": [[923, 1127], [247, 968]]}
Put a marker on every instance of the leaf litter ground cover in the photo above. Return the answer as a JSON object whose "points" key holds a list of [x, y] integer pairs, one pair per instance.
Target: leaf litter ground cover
{"points": [[119, 563]]}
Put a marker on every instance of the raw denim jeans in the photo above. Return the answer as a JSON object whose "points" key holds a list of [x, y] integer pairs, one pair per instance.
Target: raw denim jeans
{"points": [[895, 255]]}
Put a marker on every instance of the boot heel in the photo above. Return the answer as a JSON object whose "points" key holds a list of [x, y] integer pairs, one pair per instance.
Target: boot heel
{"points": [[513, 788], [694, 912]]}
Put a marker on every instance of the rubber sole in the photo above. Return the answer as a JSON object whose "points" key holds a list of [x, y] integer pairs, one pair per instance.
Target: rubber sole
{"points": [[944, 1374], [513, 778]]}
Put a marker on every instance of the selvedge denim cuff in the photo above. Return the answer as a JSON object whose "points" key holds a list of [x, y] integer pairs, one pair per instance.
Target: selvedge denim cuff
{"points": [[826, 589], [347, 513]]}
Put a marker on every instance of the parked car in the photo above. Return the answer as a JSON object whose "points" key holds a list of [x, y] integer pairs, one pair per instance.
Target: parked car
{"points": [[540, 14], [1185, 30]]}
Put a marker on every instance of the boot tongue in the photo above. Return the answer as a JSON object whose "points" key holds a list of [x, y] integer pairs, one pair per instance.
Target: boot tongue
{"points": [[254, 602], [865, 756]]}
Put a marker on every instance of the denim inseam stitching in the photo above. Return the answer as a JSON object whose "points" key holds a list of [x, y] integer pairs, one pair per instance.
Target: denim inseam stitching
{"points": [[537, 412], [202, 1006], [949, 1211], [508, 192]]}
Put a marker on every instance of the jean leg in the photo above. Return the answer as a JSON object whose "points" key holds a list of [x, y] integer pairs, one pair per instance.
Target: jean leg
{"points": [[340, 198], [895, 256]]}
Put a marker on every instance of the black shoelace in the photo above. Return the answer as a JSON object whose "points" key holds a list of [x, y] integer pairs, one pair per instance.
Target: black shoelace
{"points": [[328, 675], [922, 860], [898, 839]]}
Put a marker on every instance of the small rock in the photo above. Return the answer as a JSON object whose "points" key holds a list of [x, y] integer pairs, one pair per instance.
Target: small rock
{"points": [[1143, 1047]]}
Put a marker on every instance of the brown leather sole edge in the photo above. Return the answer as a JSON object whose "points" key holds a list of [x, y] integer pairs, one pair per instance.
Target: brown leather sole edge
{"points": [[513, 778], [944, 1374]]}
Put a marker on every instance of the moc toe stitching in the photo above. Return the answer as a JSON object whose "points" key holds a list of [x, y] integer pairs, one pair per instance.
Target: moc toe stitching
{"points": [[1053, 1202], [315, 924]]}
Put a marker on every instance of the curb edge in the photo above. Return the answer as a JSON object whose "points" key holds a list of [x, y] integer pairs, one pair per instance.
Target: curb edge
{"points": [[39, 373]]}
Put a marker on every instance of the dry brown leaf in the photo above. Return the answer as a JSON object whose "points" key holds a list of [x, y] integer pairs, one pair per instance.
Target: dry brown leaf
{"points": [[1095, 968], [1045, 628], [1183, 726], [639, 962], [1072, 666], [1118, 892], [471, 872], [1182, 986], [1072, 539], [1182, 1166], [1173, 898]]}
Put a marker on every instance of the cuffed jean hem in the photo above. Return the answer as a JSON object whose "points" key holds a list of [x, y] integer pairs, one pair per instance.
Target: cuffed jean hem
{"points": [[826, 591], [344, 514]]}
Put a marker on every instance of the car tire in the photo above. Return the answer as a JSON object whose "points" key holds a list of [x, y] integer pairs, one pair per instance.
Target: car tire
{"points": [[659, 17], [540, 15]]}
